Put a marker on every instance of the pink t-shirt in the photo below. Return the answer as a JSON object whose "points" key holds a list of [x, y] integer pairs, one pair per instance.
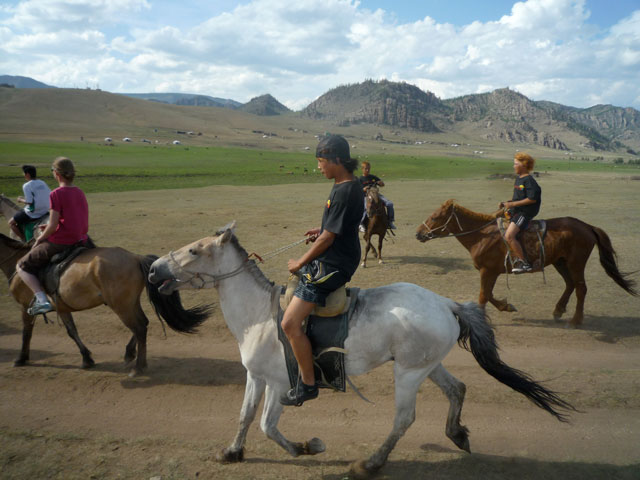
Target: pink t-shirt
{"points": [[72, 205]]}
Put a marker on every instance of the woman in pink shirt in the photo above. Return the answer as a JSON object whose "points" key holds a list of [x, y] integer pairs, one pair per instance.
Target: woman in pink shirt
{"points": [[68, 225]]}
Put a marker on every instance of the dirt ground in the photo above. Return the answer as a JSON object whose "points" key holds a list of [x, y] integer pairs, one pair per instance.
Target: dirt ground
{"points": [[59, 421]]}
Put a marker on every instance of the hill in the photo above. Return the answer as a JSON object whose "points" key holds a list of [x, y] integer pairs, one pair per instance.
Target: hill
{"points": [[375, 116], [264, 105], [186, 99], [22, 82]]}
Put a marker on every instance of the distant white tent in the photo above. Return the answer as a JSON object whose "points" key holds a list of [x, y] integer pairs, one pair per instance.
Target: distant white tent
{"points": [[107, 139], [177, 142], [126, 139]]}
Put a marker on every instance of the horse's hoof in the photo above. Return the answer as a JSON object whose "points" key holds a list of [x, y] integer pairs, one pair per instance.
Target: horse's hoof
{"points": [[380, 262], [314, 446], [511, 308], [20, 362], [230, 456], [363, 265], [360, 470], [88, 365]]}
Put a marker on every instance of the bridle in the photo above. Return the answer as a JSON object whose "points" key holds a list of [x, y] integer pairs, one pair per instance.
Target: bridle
{"points": [[430, 231], [199, 280]]}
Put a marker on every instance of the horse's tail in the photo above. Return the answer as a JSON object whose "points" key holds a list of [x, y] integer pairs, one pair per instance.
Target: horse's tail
{"points": [[169, 307], [476, 336], [608, 260]]}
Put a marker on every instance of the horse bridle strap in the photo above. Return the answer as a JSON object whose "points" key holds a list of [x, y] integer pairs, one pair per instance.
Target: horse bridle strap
{"points": [[212, 279], [430, 231]]}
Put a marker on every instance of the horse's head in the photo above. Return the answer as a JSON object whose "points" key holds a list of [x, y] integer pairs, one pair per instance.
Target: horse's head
{"points": [[435, 225], [373, 200], [198, 265]]}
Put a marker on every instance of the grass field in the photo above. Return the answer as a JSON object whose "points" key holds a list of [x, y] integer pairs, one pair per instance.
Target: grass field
{"points": [[125, 167]]}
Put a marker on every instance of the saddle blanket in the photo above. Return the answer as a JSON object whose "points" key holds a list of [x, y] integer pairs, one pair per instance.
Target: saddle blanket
{"points": [[327, 336]]}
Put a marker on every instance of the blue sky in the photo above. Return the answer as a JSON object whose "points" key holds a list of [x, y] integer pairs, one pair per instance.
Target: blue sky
{"points": [[575, 52]]}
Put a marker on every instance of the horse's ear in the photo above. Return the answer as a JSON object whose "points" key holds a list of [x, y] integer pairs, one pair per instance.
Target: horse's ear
{"points": [[226, 232]]}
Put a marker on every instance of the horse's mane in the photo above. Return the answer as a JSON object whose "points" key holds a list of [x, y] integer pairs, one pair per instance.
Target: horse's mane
{"points": [[484, 217], [255, 271], [15, 244]]}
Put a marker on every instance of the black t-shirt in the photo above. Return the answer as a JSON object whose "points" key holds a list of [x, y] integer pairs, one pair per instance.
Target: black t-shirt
{"points": [[368, 180], [342, 214], [527, 187]]}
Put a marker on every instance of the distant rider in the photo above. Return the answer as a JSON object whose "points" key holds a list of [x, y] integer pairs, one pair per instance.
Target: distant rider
{"points": [[367, 180], [525, 204], [36, 200]]}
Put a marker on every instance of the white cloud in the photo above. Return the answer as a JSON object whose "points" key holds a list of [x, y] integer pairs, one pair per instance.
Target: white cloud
{"points": [[297, 51]]}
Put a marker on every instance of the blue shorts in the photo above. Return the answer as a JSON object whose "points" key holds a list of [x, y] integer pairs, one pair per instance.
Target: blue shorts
{"points": [[521, 220], [317, 281]]}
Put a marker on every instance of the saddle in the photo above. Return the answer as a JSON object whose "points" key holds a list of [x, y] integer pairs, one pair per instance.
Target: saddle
{"points": [[537, 227], [50, 276], [327, 328]]}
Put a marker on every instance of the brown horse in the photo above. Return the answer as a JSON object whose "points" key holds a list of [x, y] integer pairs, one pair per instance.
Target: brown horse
{"points": [[101, 276], [567, 246], [378, 223]]}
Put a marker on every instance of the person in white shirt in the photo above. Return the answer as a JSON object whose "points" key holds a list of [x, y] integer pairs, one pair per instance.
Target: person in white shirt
{"points": [[36, 200]]}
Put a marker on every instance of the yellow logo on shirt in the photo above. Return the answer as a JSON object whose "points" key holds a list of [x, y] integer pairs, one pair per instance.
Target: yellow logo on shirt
{"points": [[328, 202], [521, 187]]}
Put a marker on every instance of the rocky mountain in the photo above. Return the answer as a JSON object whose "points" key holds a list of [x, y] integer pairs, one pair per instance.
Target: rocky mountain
{"points": [[502, 115], [264, 105], [22, 82], [380, 102]]}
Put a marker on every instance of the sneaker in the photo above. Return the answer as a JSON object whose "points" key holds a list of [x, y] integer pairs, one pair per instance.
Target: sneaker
{"points": [[392, 225], [520, 266], [300, 394], [39, 308], [361, 228]]}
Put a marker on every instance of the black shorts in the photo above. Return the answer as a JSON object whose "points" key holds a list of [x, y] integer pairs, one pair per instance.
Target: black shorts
{"points": [[521, 220], [317, 281], [21, 218]]}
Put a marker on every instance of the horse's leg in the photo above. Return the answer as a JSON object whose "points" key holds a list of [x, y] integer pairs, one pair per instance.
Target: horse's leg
{"points": [[576, 268], [367, 239], [407, 383], [72, 331], [137, 322], [380, 239], [269, 424], [454, 389], [130, 350], [253, 391], [27, 332], [561, 306], [487, 282]]}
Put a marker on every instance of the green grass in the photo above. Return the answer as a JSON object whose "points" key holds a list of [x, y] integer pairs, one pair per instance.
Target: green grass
{"points": [[145, 167]]}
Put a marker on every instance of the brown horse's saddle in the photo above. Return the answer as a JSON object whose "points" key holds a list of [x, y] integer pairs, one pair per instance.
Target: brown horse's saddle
{"points": [[327, 328], [537, 227], [50, 275]]}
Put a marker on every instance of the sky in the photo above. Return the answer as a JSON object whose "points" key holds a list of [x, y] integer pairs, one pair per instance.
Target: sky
{"points": [[574, 52]]}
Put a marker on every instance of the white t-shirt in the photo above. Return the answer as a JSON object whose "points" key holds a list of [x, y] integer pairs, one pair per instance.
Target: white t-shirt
{"points": [[36, 194]]}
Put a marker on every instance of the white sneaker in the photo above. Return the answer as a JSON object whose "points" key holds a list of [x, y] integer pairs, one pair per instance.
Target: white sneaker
{"points": [[39, 308]]}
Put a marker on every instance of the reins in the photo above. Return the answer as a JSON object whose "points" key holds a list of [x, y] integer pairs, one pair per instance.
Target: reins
{"points": [[213, 279], [277, 251]]}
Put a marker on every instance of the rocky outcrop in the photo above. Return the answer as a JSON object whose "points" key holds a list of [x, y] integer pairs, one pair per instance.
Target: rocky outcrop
{"points": [[382, 103]]}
